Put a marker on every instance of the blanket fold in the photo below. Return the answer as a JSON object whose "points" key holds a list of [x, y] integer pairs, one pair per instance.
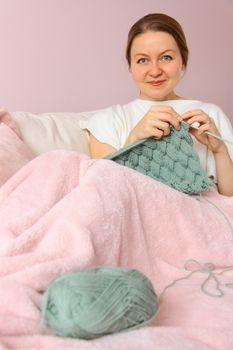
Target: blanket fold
{"points": [[63, 212]]}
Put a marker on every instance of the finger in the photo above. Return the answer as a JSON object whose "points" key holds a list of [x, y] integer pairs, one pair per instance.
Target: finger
{"points": [[203, 128], [201, 119], [157, 125], [167, 131], [192, 113], [162, 125], [167, 110], [157, 133], [165, 127], [175, 121], [166, 117], [197, 135]]}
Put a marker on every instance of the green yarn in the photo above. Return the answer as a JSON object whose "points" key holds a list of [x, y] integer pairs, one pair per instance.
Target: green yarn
{"points": [[99, 301], [171, 160]]}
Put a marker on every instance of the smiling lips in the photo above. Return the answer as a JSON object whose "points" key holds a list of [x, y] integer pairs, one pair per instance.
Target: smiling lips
{"points": [[156, 82]]}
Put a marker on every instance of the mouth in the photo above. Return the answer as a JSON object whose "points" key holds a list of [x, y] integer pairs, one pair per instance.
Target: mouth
{"points": [[156, 82]]}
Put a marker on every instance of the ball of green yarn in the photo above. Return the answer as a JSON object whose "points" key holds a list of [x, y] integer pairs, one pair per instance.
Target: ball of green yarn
{"points": [[98, 301]]}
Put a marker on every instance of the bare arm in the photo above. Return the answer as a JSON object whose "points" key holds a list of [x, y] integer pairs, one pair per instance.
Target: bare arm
{"points": [[99, 149], [224, 164], [156, 123], [224, 168]]}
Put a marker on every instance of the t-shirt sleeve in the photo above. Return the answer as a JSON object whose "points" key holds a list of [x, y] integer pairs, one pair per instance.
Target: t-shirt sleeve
{"points": [[104, 126]]}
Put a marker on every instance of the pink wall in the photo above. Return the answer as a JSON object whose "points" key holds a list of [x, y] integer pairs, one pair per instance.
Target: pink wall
{"points": [[68, 55]]}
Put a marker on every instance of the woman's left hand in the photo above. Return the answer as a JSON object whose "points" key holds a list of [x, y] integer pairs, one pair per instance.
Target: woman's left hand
{"points": [[206, 124]]}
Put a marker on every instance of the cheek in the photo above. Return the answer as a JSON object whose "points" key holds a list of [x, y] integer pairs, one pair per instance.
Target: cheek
{"points": [[137, 72], [174, 70]]}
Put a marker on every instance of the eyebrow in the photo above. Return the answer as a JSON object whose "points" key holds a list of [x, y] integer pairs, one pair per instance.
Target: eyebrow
{"points": [[144, 54]]}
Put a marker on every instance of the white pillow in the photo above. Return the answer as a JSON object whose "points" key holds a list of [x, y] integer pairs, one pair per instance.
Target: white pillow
{"points": [[14, 153], [48, 131]]}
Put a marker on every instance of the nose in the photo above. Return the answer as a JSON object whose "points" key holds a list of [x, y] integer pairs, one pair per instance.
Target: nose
{"points": [[155, 69]]}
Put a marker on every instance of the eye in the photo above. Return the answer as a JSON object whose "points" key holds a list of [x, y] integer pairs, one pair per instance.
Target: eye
{"points": [[166, 58], [142, 60]]}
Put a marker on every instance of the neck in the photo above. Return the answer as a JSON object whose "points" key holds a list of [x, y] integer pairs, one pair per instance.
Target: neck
{"points": [[166, 98]]}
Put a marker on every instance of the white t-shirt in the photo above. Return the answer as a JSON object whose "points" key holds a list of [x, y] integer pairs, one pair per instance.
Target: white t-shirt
{"points": [[113, 125]]}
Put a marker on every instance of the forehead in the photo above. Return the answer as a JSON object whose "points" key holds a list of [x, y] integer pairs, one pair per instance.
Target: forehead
{"points": [[151, 42]]}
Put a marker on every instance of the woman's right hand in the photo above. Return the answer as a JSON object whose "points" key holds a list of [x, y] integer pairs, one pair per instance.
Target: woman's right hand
{"points": [[155, 123]]}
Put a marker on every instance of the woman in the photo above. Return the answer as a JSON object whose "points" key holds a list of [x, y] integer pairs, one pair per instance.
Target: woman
{"points": [[157, 55]]}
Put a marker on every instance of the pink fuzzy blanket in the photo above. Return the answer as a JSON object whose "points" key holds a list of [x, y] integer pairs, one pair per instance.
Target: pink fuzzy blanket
{"points": [[63, 212]]}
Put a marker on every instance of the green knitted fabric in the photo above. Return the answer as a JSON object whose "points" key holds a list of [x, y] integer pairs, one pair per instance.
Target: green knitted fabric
{"points": [[98, 301], [171, 160]]}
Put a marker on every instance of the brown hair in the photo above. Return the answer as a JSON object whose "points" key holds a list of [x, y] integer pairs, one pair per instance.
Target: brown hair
{"points": [[162, 23]]}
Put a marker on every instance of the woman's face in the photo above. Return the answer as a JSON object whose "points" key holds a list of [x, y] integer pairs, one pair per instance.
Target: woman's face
{"points": [[156, 65]]}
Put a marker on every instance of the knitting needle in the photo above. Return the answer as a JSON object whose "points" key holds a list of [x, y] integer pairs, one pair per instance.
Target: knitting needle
{"points": [[208, 133]]}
